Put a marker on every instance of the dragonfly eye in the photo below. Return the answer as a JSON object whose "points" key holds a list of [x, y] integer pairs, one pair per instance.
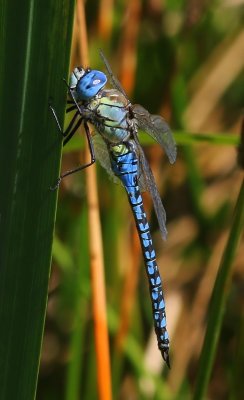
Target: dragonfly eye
{"points": [[90, 83]]}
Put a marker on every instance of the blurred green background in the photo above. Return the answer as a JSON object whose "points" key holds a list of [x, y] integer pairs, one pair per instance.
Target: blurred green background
{"points": [[183, 60]]}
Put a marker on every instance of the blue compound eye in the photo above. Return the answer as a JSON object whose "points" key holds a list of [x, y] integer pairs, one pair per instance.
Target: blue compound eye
{"points": [[90, 84]]}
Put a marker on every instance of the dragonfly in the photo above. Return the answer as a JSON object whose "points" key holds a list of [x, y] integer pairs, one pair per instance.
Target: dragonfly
{"points": [[116, 145]]}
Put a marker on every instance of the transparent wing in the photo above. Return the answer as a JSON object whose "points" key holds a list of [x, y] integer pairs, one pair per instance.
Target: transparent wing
{"points": [[102, 155], [114, 81], [156, 127], [141, 180], [146, 180]]}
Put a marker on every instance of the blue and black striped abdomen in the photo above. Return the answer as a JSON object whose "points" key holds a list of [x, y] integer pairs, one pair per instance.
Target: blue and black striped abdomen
{"points": [[125, 167]]}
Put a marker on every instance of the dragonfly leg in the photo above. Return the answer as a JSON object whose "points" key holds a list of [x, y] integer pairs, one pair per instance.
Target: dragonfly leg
{"points": [[72, 95], [71, 124], [81, 167], [70, 108], [69, 135]]}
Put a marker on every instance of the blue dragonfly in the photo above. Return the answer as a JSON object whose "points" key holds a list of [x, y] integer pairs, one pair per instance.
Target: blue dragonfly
{"points": [[116, 145]]}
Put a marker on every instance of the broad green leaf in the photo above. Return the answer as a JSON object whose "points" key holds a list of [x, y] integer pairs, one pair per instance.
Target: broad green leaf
{"points": [[34, 51]]}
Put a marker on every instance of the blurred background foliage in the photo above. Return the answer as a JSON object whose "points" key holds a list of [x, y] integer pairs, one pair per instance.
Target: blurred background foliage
{"points": [[183, 60]]}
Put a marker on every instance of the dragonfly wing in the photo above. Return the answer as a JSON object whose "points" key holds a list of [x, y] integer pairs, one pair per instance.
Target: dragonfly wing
{"points": [[146, 179], [102, 155], [114, 81], [141, 180], [158, 128]]}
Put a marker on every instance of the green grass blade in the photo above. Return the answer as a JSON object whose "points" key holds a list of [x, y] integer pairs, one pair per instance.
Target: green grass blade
{"points": [[181, 137], [226, 139], [220, 294], [35, 42], [236, 374]]}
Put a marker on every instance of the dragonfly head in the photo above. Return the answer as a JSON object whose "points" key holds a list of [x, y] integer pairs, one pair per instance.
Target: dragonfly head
{"points": [[86, 83]]}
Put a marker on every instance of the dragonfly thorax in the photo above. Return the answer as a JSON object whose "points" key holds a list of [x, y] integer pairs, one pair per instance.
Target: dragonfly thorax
{"points": [[111, 115]]}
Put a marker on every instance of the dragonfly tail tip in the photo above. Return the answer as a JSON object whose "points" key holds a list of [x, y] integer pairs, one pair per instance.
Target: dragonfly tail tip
{"points": [[165, 355]]}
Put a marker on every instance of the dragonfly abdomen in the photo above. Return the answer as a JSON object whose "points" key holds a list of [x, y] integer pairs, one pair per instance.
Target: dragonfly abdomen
{"points": [[125, 167]]}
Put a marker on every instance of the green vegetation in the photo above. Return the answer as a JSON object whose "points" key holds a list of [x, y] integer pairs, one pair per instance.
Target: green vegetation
{"points": [[182, 59], [34, 54]]}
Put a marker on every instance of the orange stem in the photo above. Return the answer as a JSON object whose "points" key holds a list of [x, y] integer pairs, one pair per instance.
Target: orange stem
{"points": [[96, 249]]}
